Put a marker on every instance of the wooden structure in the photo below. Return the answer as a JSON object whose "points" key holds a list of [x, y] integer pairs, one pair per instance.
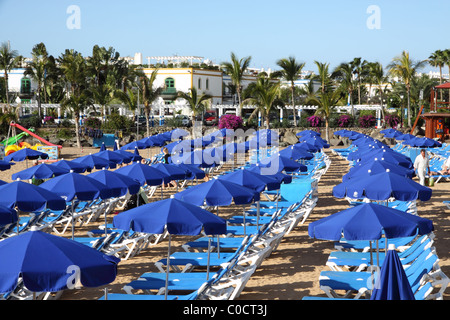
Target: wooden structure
{"points": [[437, 120]]}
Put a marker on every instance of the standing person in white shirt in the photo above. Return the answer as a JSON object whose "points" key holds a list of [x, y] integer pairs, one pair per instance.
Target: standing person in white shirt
{"points": [[422, 165]]}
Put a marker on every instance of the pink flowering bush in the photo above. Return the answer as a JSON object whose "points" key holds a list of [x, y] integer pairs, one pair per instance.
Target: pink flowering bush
{"points": [[392, 120], [345, 121], [367, 121], [314, 121], [230, 121]]}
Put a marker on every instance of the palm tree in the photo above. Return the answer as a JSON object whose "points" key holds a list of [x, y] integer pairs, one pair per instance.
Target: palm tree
{"points": [[265, 95], [37, 69], [405, 69], [323, 76], [437, 59], [290, 71], [360, 69], [325, 102], [344, 75], [380, 79], [196, 103], [73, 66], [236, 69], [149, 93], [9, 59]]}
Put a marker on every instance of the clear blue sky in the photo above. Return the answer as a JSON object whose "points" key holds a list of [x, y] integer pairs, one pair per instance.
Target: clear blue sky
{"points": [[328, 30]]}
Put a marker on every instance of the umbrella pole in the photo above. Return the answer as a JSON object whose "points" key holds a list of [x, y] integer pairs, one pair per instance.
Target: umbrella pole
{"points": [[167, 268], [209, 252], [218, 243], [243, 214], [73, 224], [257, 214]]}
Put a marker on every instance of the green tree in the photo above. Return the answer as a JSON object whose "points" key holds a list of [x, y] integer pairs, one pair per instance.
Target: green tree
{"points": [[290, 71], [360, 69], [323, 76], [405, 68], [196, 103], [37, 68], [380, 80], [9, 59], [149, 94], [265, 96], [325, 102], [236, 70], [343, 73]]}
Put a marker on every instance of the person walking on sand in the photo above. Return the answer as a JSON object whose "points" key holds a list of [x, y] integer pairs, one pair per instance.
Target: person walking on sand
{"points": [[422, 166]]}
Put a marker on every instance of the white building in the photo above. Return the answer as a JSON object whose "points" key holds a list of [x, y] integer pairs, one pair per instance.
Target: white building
{"points": [[16, 82]]}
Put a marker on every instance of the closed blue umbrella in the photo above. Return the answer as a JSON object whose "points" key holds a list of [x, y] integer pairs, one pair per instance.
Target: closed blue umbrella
{"points": [[175, 216], [25, 154], [375, 167], [49, 263], [392, 282], [143, 173], [41, 171], [71, 166], [217, 192], [94, 162], [28, 197], [369, 221], [5, 165], [7, 216], [382, 186], [118, 184]]}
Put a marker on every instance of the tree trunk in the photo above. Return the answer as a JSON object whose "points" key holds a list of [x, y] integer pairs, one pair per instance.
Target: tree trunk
{"points": [[267, 121], [77, 133], [238, 89], [293, 104], [409, 106], [326, 129], [382, 109], [39, 100], [6, 87], [147, 116]]}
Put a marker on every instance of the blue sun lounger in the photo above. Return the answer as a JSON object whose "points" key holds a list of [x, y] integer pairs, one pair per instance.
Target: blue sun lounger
{"points": [[364, 246]]}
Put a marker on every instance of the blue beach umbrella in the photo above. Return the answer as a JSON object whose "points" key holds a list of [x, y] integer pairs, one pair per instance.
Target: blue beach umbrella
{"points": [[71, 166], [388, 130], [7, 216], [279, 176], [405, 137], [306, 146], [392, 283], [94, 162], [393, 134], [192, 172], [308, 133], [143, 173], [28, 197], [252, 180], [422, 142], [382, 186], [25, 154], [375, 167], [5, 165], [112, 156], [280, 163], [128, 156], [118, 184], [369, 221], [218, 192], [178, 133], [341, 132], [47, 263], [171, 172], [175, 216], [295, 153], [133, 145], [389, 156], [41, 171]]}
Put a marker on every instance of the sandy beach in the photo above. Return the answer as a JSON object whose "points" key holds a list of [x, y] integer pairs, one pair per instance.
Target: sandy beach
{"points": [[289, 273]]}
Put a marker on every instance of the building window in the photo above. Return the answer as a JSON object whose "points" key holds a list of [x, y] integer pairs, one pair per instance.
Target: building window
{"points": [[207, 84], [199, 83], [170, 83]]}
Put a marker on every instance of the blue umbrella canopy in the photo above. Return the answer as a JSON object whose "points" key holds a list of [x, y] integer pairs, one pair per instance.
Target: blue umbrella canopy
{"points": [[170, 171], [366, 150], [392, 282], [143, 173], [306, 146], [133, 145], [252, 180], [405, 137], [389, 156], [423, 142], [279, 176], [308, 133], [7, 216], [94, 162], [74, 185], [375, 167], [5, 165], [196, 157], [41, 171], [296, 153], [178, 133], [119, 184], [316, 141], [342, 132], [112, 156], [128, 156], [218, 192], [393, 134], [279, 163], [28, 197], [369, 221], [382, 186], [177, 216], [46, 263], [71, 166], [25, 153], [192, 172]]}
